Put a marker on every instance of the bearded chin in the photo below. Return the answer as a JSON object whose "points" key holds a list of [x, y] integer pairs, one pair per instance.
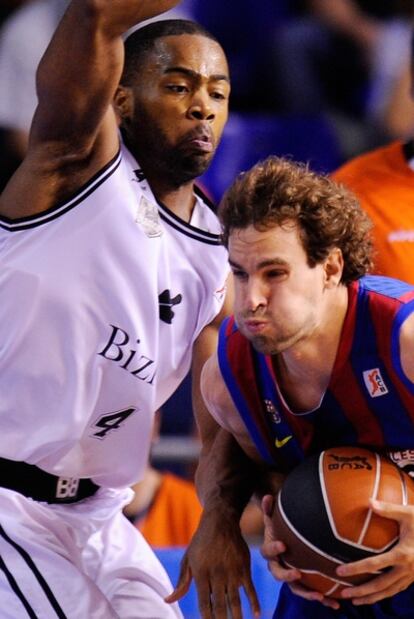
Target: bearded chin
{"points": [[156, 153], [187, 168], [264, 345]]}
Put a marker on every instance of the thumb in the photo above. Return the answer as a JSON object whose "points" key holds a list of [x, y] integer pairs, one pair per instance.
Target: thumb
{"points": [[268, 503], [183, 584]]}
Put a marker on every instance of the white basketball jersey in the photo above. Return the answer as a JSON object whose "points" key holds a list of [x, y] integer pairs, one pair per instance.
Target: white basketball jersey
{"points": [[102, 298]]}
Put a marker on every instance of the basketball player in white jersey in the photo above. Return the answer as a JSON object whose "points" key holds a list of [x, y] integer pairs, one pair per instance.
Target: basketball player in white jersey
{"points": [[112, 282]]}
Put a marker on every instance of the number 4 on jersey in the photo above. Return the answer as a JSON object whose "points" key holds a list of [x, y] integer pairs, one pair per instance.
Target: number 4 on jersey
{"points": [[111, 421]]}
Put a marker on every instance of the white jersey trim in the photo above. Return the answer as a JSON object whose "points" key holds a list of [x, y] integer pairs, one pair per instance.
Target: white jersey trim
{"points": [[182, 226], [32, 221], [24, 223]]}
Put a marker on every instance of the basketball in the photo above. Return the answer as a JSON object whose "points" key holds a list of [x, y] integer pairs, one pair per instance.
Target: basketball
{"points": [[322, 514]]}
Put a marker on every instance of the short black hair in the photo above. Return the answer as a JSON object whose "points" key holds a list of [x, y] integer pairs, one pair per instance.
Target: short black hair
{"points": [[140, 42]]}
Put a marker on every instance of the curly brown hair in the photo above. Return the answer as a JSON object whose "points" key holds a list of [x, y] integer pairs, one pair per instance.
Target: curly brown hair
{"points": [[278, 190]]}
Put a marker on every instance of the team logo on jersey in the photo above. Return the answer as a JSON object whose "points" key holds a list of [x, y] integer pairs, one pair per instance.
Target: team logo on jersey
{"points": [[374, 383], [139, 175], [279, 443], [271, 411], [166, 304], [147, 217], [118, 349]]}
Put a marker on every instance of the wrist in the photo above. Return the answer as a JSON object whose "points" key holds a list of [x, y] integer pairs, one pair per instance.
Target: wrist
{"points": [[224, 510]]}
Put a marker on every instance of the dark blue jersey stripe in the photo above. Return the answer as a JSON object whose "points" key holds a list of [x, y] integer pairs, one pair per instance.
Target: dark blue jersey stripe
{"points": [[365, 356], [333, 427], [351, 411], [401, 316], [291, 451], [387, 286], [237, 395]]}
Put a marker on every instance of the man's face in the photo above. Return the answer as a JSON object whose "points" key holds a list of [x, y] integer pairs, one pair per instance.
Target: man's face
{"points": [[278, 296], [180, 106]]}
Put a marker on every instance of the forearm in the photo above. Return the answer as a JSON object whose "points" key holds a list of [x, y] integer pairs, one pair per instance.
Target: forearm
{"points": [[80, 71], [225, 478], [78, 75], [218, 558]]}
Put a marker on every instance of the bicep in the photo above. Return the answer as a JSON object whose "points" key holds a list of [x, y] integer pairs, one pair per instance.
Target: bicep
{"points": [[222, 408], [74, 130], [204, 348], [76, 80], [46, 177]]}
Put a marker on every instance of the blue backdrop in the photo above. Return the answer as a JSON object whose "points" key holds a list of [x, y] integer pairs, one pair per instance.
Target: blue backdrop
{"points": [[266, 586]]}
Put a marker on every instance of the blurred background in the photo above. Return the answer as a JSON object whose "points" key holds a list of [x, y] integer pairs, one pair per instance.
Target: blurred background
{"points": [[320, 81]]}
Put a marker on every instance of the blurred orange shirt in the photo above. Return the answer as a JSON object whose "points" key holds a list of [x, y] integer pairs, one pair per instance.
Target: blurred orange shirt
{"points": [[384, 184], [174, 514]]}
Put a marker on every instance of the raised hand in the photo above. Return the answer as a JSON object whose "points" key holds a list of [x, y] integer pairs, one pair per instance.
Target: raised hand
{"points": [[126, 13]]}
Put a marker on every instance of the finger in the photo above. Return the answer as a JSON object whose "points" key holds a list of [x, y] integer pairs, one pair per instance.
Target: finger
{"points": [[268, 504], [233, 602], [380, 583], [267, 507], [217, 604], [391, 510], [331, 603], [211, 594], [280, 572], [270, 550], [183, 584], [251, 595], [387, 592], [313, 596], [304, 592], [371, 565]]}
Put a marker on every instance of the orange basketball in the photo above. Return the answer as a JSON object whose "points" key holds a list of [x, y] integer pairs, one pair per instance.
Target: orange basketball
{"points": [[323, 516]]}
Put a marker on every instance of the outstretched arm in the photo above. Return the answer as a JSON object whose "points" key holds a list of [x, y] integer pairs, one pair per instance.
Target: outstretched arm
{"points": [[218, 558], [74, 132], [226, 478]]}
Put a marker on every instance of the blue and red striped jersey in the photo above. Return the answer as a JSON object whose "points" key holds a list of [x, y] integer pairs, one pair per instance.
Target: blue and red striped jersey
{"points": [[369, 400]]}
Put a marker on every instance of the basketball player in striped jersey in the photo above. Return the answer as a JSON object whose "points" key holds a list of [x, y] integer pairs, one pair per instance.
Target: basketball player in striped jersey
{"points": [[112, 284], [318, 354]]}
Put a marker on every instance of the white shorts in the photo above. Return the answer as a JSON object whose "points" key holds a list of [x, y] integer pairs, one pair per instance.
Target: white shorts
{"points": [[78, 561]]}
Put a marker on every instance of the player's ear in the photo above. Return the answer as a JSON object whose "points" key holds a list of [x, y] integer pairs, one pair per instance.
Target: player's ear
{"points": [[123, 103], [333, 268]]}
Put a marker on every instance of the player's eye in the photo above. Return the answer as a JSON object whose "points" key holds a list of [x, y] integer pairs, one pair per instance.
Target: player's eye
{"points": [[239, 274], [178, 88], [275, 273], [219, 96]]}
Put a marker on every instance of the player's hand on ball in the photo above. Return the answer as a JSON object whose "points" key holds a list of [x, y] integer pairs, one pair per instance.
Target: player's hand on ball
{"points": [[272, 548], [399, 560], [218, 560]]}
